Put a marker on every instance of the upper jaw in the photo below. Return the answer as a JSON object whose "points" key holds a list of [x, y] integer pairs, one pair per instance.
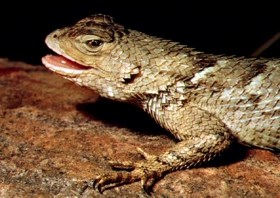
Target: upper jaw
{"points": [[61, 63], [53, 43]]}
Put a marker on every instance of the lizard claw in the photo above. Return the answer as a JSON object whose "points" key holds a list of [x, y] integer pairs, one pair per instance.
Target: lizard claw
{"points": [[148, 171], [108, 181]]}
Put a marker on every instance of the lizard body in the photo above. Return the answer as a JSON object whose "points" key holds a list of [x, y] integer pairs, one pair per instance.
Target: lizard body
{"points": [[206, 101]]}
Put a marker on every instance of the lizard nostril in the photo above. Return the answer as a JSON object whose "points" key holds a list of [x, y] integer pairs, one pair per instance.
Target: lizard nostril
{"points": [[55, 36]]}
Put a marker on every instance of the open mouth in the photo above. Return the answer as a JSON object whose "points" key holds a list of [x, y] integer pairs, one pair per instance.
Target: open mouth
{"points": [[62, 65]]}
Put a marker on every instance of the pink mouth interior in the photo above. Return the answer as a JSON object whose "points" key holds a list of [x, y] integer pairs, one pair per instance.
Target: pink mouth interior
{"points": [[60, 61]]}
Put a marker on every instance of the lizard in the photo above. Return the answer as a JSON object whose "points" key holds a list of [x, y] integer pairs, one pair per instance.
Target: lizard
{"points": [[207, 101]]}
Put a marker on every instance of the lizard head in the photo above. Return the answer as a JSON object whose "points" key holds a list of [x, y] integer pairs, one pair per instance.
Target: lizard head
{"points": [[90, 54], [116, 62]]}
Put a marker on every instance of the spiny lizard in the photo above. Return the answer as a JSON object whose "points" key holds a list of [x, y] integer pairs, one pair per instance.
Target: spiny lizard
{"points": [[206, 101]]}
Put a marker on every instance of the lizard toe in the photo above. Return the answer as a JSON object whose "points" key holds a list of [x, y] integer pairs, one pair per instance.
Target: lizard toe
{"points": [[127, 165], [111, 180], [149, 181], [148, 171]]}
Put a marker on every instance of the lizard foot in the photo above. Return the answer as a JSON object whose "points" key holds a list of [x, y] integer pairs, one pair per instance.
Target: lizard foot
{"points": [[148, 171]]}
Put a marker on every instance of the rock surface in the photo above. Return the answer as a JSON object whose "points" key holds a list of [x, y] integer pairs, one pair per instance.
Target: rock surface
{"points": [[56, 136]]}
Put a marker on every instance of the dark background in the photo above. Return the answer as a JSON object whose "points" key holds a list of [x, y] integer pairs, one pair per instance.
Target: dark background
{"points": [[227, 27]]}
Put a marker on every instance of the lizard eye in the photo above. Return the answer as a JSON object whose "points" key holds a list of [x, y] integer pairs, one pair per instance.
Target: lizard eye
{"points": [[93, 44]]}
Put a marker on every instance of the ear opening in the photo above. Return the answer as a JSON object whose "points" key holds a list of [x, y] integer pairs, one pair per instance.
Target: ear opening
{"points": [[131, 75]]}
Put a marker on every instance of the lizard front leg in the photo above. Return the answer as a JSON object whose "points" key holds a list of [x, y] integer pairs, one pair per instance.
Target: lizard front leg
{"points": [[202, 136]]}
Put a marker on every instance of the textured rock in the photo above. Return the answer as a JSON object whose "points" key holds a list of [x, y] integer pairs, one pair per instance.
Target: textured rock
{"points": [[56, 136]]}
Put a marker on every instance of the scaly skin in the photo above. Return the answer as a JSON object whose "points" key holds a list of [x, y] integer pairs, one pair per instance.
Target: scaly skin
{"points": [[206, 101]]}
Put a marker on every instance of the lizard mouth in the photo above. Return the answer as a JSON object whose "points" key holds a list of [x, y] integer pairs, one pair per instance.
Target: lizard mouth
{"points": [[62, 65]]}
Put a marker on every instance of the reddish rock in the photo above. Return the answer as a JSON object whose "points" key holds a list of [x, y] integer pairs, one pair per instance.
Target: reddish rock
{"points": [[56, 136]]}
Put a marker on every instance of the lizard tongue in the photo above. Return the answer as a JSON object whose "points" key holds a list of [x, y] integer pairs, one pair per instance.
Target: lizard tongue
{"points": [[62, 65]]}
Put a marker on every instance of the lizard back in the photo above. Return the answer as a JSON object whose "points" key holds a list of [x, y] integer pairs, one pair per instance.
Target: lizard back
{"points": [[244, 94]]}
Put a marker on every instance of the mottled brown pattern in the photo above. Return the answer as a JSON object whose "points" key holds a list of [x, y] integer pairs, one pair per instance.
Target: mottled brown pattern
{"points": [[99, 25], [206, 101]]}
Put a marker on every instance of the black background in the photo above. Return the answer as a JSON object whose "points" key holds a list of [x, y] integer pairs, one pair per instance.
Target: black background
{"points": [[227, 27]]}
